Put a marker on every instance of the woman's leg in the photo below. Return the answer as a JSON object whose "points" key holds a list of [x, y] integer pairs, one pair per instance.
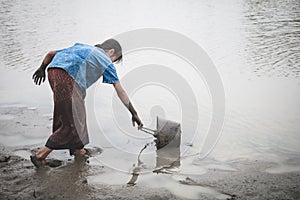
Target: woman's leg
{"points": [[39, 159], [80, 151], [43, 153], [69, 129]]}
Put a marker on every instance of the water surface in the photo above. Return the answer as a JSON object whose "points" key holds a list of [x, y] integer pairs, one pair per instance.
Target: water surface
{"points": [[254, 45]]}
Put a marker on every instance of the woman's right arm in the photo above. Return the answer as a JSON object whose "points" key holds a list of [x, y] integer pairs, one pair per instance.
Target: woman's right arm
{"points": [[40, 74], [125, 100]]}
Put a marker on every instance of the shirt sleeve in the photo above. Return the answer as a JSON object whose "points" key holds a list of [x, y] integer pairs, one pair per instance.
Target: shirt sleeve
{"points": [[110, 75]]}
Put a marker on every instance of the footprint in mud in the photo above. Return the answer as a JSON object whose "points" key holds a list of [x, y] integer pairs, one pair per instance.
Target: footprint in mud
{"points": [[53, 163]]}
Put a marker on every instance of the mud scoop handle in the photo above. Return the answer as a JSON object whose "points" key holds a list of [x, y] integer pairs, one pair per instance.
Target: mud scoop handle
{"points": [[148, 130]]}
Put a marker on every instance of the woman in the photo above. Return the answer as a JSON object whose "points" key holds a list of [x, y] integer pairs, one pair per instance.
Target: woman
{"points": [[70, 72]]}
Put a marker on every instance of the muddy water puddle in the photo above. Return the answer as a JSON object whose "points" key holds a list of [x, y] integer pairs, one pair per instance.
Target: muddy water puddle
{"points": [[163, 168]]}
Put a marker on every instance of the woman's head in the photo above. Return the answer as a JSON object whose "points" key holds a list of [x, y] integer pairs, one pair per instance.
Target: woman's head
{"points": [[113, 48]]}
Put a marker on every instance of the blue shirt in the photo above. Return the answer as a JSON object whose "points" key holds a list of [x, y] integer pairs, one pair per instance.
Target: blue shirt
{"points": [[85, 64]]}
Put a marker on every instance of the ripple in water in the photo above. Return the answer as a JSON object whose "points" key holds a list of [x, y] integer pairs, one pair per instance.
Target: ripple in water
{"points": [[30, 29], [272, 32]]}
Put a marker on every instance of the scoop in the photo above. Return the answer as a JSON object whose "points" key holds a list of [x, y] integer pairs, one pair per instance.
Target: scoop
{"points": [[167, 133]]}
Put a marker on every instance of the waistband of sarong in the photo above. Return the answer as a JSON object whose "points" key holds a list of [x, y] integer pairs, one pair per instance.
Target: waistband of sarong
{"points": [[61, 70]]}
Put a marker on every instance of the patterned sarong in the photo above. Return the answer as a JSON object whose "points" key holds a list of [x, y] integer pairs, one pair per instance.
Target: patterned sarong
{"points": [[69, 129]]}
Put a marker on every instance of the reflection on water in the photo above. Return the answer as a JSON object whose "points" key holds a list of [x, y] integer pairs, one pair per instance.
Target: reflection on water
{"points": [[137, 168], [167, 160], [167, 141], [167, 174], [272, 32]]}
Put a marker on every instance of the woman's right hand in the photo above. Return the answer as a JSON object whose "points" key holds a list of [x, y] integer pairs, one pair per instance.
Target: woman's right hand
{"points": [[135, 119], [39, 76]]}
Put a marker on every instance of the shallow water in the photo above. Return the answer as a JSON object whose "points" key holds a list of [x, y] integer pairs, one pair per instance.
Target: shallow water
{"points": [[254, 45]]}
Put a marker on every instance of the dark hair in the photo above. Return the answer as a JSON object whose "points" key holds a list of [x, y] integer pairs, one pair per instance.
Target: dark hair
{"points": [[112, 44]]}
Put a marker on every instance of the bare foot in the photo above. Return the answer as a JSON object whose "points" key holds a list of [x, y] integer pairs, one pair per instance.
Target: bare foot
{"points": [[43, 153], [38, 162], [80, 152]]}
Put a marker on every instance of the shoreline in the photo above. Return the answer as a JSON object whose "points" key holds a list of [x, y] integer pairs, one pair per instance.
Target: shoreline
{"points": [[70, 179], [21, 180]]}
